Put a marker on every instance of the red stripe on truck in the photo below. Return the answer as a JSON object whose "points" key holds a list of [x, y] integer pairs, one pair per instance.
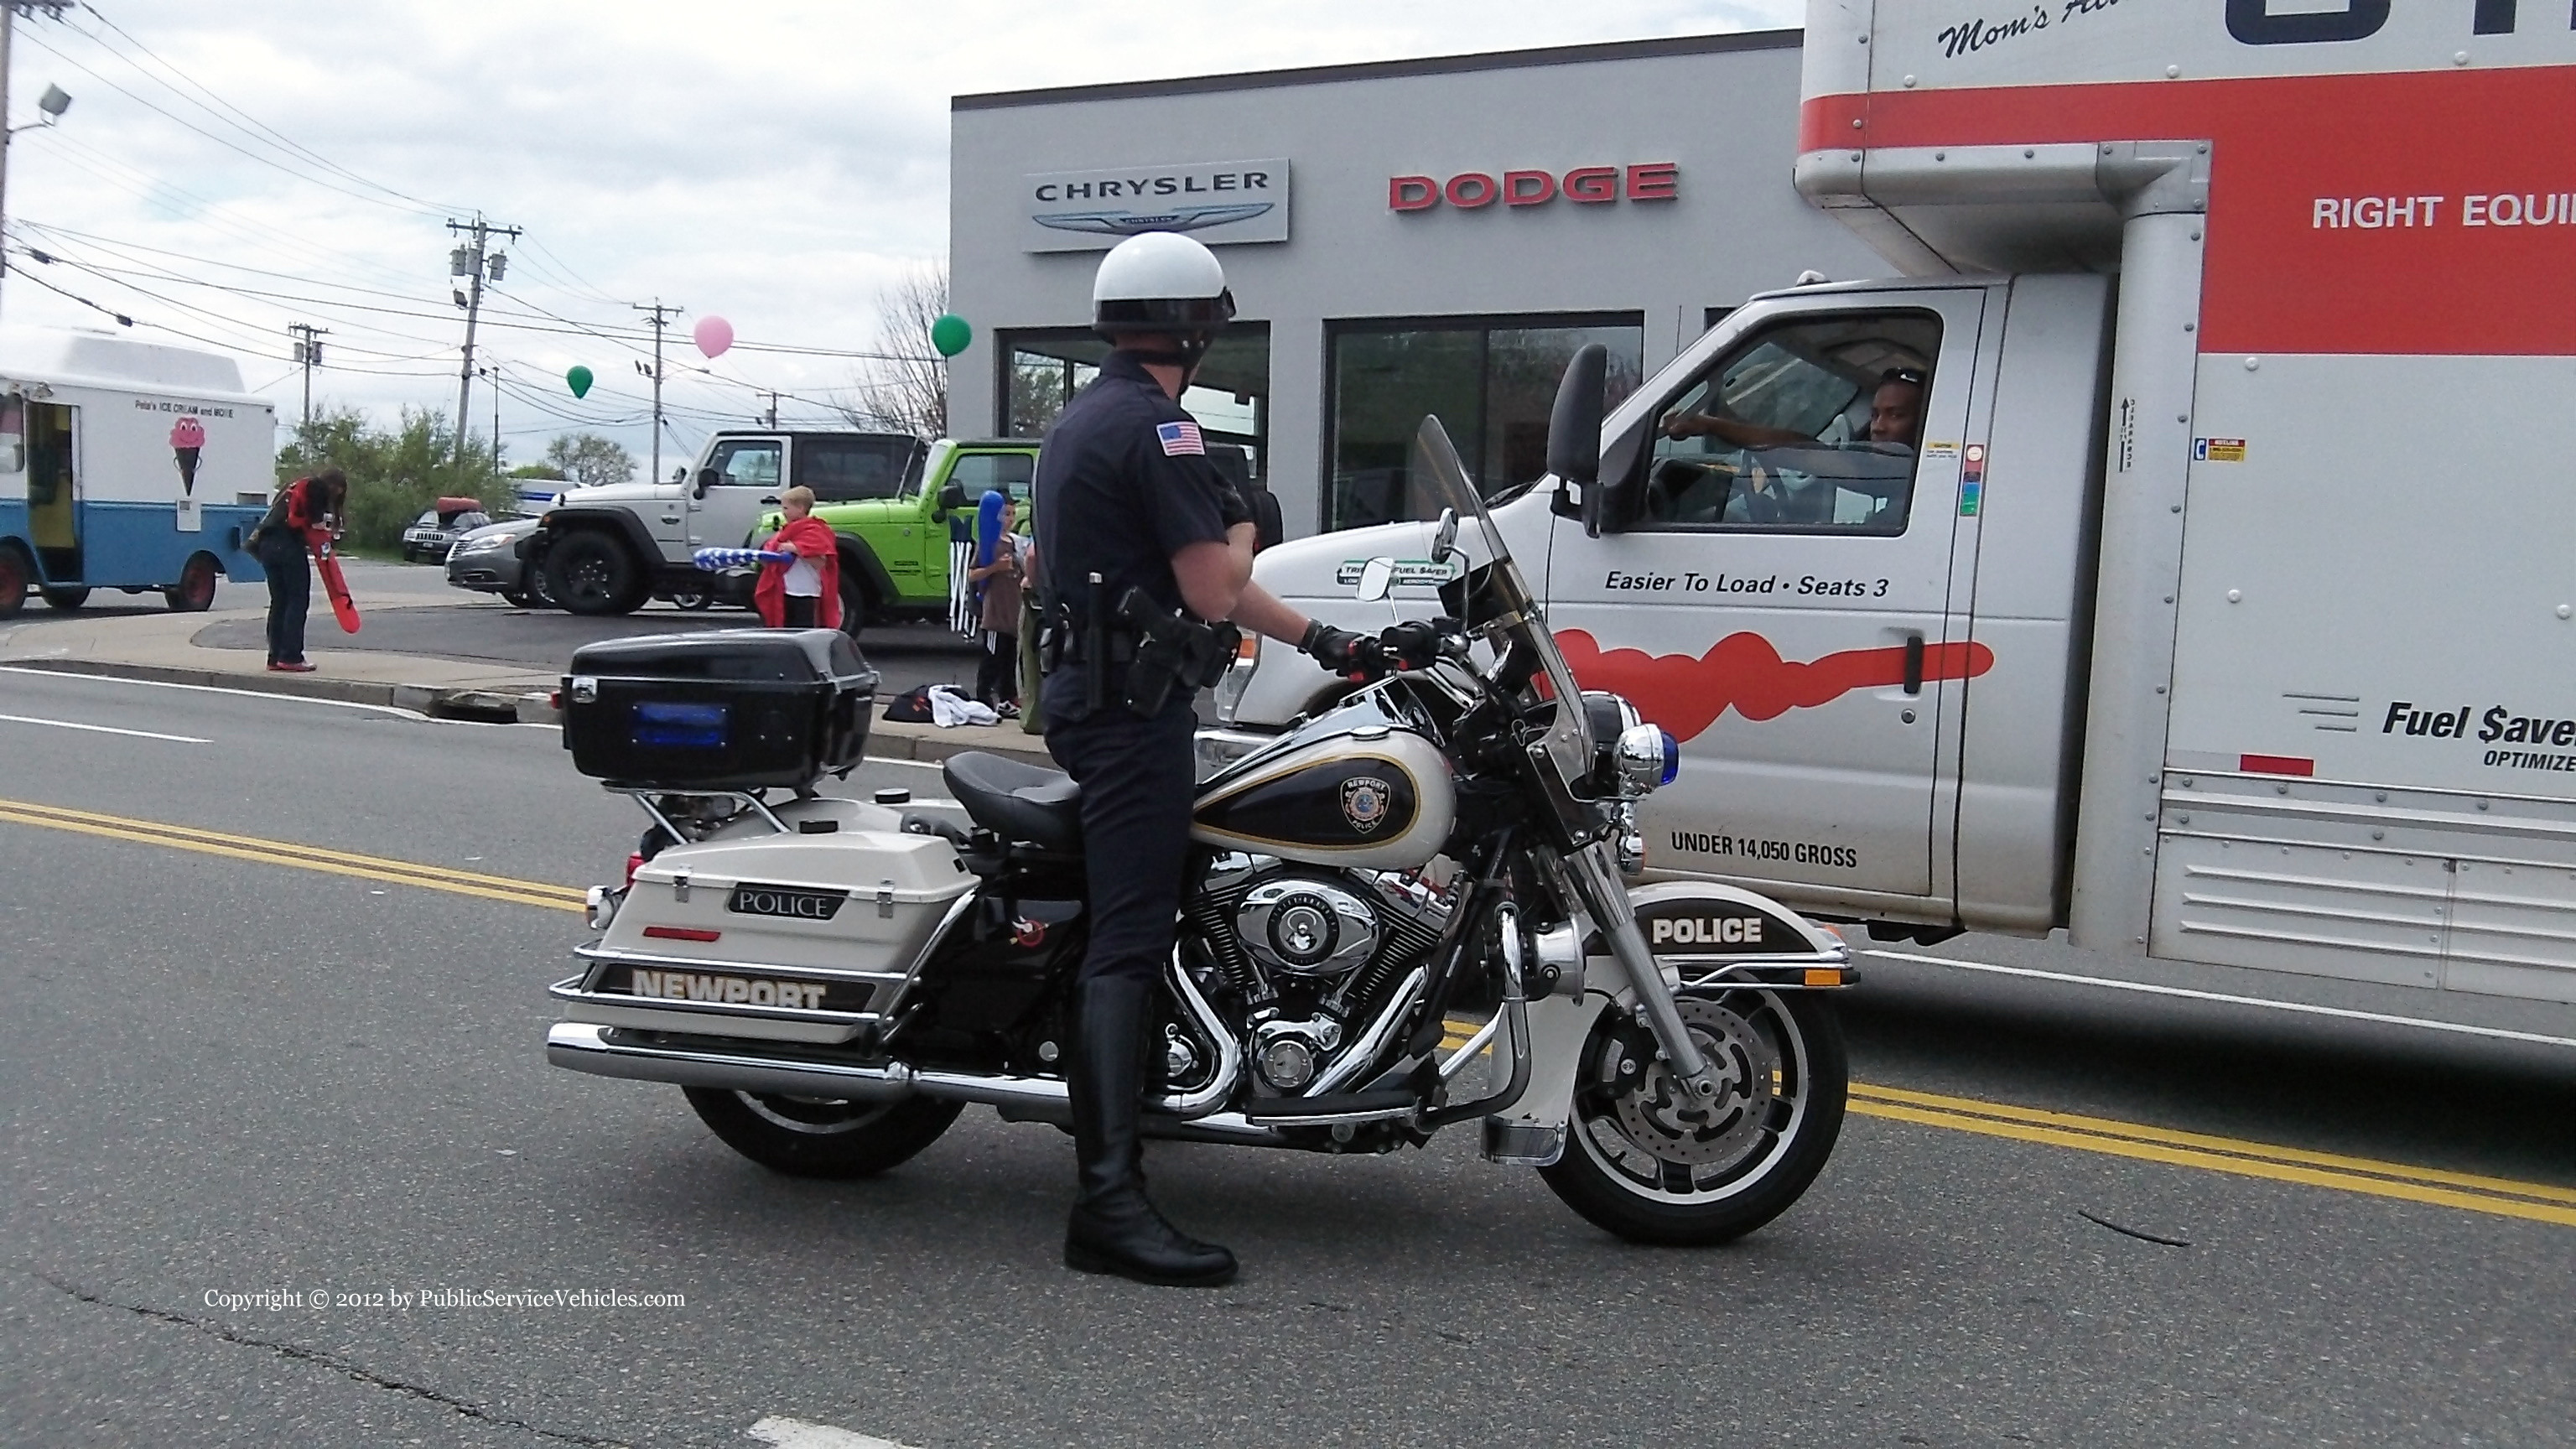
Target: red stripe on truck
{"points": [[2276, 765], [2291, 265]]}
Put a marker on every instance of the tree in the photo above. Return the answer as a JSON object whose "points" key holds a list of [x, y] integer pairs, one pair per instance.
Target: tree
{"points": [[538, 470], [906, 390], [590, 460], [394, 475]]}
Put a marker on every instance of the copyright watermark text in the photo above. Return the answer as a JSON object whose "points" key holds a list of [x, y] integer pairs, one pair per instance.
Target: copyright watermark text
{"points": [[433, 1300]]}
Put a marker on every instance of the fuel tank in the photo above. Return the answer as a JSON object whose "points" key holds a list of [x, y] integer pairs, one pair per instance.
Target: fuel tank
{"points": [[1352, 788]]}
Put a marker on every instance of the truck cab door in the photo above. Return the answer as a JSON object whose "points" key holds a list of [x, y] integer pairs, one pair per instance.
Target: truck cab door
{"points": [[722, 508], [1773, 584]]}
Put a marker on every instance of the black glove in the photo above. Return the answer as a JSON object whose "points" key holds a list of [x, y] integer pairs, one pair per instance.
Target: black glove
{"points": [[1340, 650]]}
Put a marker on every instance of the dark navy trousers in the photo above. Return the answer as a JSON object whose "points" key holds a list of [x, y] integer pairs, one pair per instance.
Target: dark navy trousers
{"points": [[1137, 777]]}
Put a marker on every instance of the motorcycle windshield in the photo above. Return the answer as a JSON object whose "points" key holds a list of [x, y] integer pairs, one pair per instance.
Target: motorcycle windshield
{"points": [[1519, 615]]}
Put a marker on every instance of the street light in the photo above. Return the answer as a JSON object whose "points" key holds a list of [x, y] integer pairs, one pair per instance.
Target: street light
{"points": [[53, 103]]}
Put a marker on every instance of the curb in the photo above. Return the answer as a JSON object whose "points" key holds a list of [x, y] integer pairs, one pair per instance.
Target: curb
{"points": [[886, 741]]}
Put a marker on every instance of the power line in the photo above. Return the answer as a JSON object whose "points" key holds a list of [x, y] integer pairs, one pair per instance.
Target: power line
{"points": [[226, 142], [254, 124]]}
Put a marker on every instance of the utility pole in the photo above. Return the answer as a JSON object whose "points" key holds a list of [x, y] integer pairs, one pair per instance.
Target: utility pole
{"points": [[494, 372], [308, 352], [660, 316], [8, 21], [772, 420], [468, 261]]}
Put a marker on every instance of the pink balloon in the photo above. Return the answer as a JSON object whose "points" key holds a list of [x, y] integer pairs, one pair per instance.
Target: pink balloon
{"points": [[714, 335]]}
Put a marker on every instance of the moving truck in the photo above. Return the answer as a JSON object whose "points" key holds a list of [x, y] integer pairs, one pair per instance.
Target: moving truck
{"points": [[2218, 599], [127, 465]]}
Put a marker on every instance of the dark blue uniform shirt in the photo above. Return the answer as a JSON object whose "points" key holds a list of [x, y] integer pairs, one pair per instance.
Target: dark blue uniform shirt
{"points": [[1124, 483]]}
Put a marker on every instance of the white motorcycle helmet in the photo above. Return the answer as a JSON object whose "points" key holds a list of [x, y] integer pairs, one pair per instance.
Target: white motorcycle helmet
{"points": [[1162, 282]]}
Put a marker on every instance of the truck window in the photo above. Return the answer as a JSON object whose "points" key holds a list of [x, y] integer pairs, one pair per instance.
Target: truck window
{"points": [[746, 462], [845, 470], [980, 473], [1812, 425]]}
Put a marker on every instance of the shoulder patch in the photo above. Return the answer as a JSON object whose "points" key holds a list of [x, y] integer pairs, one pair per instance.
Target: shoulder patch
{"points": [[1180, 439]]}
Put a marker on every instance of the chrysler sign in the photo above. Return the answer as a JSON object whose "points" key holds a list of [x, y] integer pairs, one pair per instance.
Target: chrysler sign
{"points": [[1214, 201]]}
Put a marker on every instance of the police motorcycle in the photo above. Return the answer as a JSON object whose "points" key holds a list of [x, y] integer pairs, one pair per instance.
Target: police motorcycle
{"points": [[1407, 914]]}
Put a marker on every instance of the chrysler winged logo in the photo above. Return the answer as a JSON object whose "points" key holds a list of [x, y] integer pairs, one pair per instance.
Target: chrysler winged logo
{"points": [[1129, 223]]}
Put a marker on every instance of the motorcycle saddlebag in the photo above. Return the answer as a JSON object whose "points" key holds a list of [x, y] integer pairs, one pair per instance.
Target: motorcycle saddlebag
{"points": [[727, 709]]}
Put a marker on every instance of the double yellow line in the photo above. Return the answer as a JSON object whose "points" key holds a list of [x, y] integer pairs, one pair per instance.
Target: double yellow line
{"points": [[288, 853], [2537, 1202]]}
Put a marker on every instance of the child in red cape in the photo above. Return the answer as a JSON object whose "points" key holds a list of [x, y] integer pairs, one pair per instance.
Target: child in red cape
{"points": [[805, 594]]}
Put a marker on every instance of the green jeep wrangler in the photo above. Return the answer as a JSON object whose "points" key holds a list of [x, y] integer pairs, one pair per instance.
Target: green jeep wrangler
{"points": [[896, 551]]}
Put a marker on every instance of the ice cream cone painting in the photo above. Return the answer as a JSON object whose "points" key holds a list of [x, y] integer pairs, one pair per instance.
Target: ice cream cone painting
{"points": [[187, 436]]}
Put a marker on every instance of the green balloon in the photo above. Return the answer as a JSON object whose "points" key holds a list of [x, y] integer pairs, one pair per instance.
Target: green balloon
{"points": [[950, 334], [578, 380]]}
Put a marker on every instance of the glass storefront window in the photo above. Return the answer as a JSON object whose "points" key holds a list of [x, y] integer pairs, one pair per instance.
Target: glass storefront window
{"points": [[1491, 382], [1230, 396]]}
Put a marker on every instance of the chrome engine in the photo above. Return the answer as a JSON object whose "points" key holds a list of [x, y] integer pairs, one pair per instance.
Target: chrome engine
{"points": [[1312, 954]]}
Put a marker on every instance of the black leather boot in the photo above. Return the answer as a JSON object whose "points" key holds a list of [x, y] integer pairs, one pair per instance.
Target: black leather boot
{"points": [[1114, 1228]]}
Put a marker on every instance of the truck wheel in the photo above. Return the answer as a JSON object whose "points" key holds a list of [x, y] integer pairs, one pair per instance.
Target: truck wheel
{"points": [[591, 573], [64, 599], [14, 576], [195, 591], [854, 605], [809, 1137]]}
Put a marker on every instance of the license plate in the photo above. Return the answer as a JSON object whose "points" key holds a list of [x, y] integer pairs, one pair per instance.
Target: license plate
{"points": [[727, 988]]}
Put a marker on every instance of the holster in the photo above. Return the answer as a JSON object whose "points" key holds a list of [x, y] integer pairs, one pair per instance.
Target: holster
{"points": [[1171, 649]]}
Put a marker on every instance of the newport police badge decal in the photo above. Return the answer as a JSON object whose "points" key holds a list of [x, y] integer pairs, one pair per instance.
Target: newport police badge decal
{"points": [[1364, 802]]}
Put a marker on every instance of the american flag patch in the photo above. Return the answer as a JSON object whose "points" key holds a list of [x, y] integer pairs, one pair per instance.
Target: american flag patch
{"points": [[1181, 439]]}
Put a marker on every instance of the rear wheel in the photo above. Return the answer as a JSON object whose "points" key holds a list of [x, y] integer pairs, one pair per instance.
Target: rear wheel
{"points": [[591, 573], [814, 1137], [195, 591], [15, 575], [64, 599], [854, 602], [1643, 1161]]}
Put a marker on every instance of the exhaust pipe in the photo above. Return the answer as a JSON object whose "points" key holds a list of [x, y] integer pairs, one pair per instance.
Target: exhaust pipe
{"points": [[583, 1047]]}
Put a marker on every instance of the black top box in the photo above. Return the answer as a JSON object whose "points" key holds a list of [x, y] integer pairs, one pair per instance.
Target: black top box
{"points": [[727, 709]]}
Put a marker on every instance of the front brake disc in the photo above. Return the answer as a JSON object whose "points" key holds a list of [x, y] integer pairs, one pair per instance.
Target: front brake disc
{"points": [[1662, 1119]]}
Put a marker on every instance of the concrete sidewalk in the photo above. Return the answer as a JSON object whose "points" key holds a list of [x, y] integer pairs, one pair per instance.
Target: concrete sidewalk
{"points": [[162, 647]]}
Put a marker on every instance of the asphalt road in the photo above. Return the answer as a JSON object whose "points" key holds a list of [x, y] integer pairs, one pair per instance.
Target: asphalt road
{"points": [[228, 1076]]}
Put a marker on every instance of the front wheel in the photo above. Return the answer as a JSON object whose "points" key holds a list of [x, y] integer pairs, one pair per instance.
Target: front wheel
{"points": [[1644, 1162], [813, 1137], [591, 573], [65, 599]]}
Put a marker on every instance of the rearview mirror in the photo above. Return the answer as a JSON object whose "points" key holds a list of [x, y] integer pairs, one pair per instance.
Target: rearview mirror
{"points": [[1377, 580], [1444, 539], [1574, 427]]}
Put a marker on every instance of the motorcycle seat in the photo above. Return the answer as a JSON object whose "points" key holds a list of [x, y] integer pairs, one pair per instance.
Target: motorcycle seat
{"points": [[1018, 802]]}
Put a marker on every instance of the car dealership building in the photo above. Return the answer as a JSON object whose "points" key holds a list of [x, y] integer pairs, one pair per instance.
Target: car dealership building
{"points": [[1402, 238]]}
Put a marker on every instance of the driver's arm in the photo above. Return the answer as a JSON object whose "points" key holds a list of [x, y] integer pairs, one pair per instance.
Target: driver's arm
{"points": [[1730, 430], [1216, 583]]}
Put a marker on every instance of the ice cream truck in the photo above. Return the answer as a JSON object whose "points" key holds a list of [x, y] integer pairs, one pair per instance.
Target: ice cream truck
{"points": [[2180, 551], [126, 465]]}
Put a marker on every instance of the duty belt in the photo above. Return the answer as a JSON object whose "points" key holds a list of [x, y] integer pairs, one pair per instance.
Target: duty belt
{"points": [[1157, 648]]}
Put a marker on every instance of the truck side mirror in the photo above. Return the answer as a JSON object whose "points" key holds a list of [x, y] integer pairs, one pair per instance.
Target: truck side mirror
{"points": [[707, 478], [952, 497], [1574, 428]]}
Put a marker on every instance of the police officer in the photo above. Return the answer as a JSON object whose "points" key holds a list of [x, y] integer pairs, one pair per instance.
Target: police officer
{"points": [[1141, 541]]}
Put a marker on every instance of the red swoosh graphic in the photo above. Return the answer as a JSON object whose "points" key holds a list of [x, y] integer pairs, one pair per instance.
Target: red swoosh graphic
{"points": [[1743, 671]]}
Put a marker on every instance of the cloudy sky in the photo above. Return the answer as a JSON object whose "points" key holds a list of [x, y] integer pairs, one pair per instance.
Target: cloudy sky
{"points": [[225, 170]]}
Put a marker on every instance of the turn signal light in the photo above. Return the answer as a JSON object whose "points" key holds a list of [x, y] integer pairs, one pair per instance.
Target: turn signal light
{"points": [[1816, 975], [679, 933]]}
